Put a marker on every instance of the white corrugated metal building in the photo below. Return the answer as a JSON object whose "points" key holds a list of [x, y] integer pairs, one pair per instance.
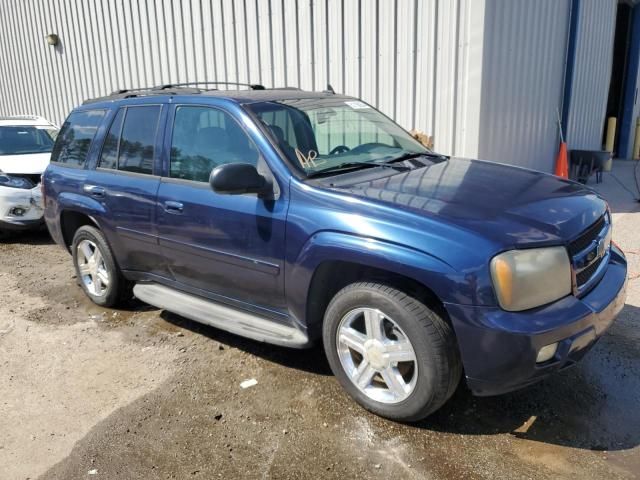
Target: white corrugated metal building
{"points": [[484, 77]]}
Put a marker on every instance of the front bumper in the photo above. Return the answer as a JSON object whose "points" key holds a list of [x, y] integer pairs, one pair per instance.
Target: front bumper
{"points": [[499, 348], [20, 209]]}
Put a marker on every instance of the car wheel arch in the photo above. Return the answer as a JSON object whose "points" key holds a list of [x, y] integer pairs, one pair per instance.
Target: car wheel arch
{"points": [[71, 221], [331, 276]]}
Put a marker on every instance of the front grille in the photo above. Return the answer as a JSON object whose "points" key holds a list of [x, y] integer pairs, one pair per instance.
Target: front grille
{"points": [[585, 239], [587, 253], [585, 275]]}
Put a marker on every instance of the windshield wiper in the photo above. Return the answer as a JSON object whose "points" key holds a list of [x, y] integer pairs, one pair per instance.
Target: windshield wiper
{"points": [[354, 166], [410, 155]]}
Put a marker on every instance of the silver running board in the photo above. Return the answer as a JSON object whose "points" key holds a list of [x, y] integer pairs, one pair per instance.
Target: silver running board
{"points": [[220, 316]]}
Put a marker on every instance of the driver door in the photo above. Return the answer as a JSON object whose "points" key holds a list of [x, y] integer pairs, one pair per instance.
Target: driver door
{"points": [[227, 247]]}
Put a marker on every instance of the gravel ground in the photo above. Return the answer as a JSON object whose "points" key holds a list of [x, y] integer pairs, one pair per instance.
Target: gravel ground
{"points": [[139, 393]]}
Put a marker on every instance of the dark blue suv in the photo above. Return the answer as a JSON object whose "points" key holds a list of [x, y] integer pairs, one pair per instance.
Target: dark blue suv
{"points": [[290, 217]]}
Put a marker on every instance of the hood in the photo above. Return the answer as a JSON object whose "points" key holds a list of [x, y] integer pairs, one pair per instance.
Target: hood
{"points": [[511, 205], [25, 164]]}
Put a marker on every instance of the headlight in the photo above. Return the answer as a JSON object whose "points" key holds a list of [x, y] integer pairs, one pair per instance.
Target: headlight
{"points": [[530, 278], [15, 182]]}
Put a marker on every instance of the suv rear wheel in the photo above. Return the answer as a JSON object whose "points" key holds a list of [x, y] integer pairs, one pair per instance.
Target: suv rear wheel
{"points": [[97, 271], [394, 355]]}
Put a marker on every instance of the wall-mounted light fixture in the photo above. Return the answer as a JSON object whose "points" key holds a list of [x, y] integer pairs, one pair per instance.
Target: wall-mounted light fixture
{"points": [[53, 39]]}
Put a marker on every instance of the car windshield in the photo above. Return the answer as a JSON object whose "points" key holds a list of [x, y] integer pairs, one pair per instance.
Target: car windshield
{"points": [[18, 140], [334, 134]]}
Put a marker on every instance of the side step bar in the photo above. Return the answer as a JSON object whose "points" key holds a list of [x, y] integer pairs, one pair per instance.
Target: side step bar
{"points": [[220, 316]]}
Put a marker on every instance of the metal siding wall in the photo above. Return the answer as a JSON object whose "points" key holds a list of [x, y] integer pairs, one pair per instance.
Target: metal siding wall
{"points": [[524, 54], [399, 55], [594, 51], [483, 76]]}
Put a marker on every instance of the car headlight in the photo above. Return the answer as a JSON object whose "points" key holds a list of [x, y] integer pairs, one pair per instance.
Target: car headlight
{"points": [[530, 278], [15, 182]]}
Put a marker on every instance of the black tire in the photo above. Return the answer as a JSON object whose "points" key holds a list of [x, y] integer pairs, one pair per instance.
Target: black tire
{"points": [[119, 288], [432, 338]]}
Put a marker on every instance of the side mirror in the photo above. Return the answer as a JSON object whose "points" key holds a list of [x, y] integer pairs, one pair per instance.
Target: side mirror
{"points": [[237, 179]]}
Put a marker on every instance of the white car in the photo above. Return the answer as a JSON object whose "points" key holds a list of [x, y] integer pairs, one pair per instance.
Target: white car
{"points": [[25, 148]]}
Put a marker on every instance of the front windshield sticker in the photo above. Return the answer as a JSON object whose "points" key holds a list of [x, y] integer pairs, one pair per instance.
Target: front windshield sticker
{"points": [[357, 105], [309, 160]]}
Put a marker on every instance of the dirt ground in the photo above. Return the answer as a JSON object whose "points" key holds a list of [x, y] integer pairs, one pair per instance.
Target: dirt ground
{"points": [[138, 393]]}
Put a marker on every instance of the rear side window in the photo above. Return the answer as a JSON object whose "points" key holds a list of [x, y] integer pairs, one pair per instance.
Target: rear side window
{"points": [[131, 139], [75, 137], [109, 157]]}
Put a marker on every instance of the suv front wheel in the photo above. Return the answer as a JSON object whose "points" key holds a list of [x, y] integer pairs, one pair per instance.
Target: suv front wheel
{"points": [[96, 269], [394, 355]]}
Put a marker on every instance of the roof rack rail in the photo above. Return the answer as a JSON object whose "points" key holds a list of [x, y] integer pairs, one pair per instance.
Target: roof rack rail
{"points": [[127, 90], [135, 92], [252, 86], [173, 89]]}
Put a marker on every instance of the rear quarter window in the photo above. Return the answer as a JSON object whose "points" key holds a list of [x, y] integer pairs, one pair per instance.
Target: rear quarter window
{"points": [[75, 137], [131, 139]]}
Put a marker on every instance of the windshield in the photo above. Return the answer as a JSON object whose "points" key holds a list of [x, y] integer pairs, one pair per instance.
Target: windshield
{"points": [[326, 134], [18, 140]]}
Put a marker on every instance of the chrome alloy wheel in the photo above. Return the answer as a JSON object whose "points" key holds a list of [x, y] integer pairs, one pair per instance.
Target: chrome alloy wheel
{"points": [[377, 355], [93, 271]]}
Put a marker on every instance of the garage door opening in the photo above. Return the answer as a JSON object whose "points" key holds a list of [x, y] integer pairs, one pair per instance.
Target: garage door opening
{"points": [[623, 90], [621, 46]]}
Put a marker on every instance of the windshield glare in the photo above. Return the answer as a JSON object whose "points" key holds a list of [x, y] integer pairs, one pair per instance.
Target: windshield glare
{"points": [[18, 140], [317, 134]]}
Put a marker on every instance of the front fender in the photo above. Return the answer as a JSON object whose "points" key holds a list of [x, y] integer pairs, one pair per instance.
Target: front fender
{"points": [[434, 273]]}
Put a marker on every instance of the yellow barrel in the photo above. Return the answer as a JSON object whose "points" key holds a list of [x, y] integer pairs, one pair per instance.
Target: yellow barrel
{"points": [[611, 133]]}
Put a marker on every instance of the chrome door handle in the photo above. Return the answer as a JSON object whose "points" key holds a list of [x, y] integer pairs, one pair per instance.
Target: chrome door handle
{"points": [[95, 191], [175, 208]]}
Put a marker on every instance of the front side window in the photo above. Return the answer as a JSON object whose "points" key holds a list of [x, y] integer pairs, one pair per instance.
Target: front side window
{"points": [[22, 140], [203, 138], [75, 137], [129, 145], [324, 133]]}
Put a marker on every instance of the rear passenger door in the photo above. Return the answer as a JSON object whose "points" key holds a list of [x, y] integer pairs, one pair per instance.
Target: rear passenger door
{"points": [[228, 247], [126, 180]]}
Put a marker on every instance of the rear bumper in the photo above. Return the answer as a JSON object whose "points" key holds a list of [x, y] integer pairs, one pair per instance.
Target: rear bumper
{"points": [[20, 209], [499, 348]]}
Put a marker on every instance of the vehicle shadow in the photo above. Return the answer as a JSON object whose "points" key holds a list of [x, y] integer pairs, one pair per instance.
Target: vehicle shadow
{"points": [[30, 237], [310, 360]]}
